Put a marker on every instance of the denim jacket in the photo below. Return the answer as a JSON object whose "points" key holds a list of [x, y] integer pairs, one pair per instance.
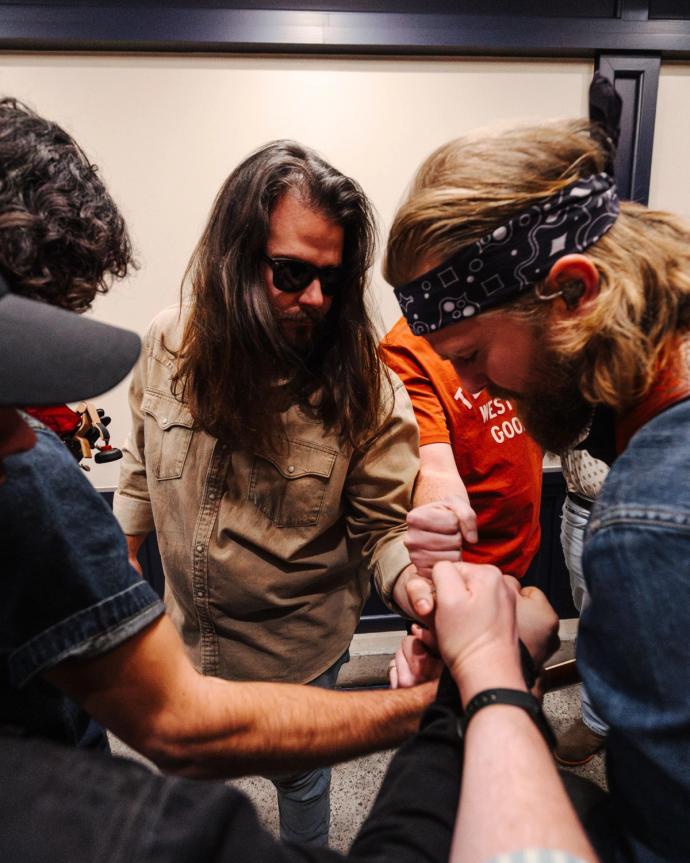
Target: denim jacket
{"points": [[634, 644], [67, 587]]}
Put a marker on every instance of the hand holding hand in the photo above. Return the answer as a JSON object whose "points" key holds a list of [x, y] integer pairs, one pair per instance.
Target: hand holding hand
{"points": [[476, 627]]}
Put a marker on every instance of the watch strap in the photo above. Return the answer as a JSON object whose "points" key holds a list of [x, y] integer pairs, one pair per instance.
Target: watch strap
{"points": [[514, 698]]}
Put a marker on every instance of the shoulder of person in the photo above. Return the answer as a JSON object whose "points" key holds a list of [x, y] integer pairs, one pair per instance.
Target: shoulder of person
{"points": [[392, 388], [47, 466], [395, 404], [398, 333], [164, 333], [411, 356], [401, 343]]}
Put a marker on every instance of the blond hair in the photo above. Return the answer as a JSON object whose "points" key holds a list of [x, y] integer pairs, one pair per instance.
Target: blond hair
{"points": [[470, 186]]}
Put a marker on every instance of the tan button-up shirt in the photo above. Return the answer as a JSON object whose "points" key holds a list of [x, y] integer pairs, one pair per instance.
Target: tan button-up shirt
{"points": [[267, 556]]}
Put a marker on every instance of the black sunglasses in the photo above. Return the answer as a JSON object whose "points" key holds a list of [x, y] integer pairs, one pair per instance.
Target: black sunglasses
{"points": [[291, 275]]}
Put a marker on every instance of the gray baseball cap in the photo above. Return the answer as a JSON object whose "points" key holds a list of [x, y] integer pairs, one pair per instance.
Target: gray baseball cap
{"points": [[49, 355]]}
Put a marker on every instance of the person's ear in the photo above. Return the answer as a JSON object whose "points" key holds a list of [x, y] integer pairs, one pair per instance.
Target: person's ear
{"points": [[575, 279]]}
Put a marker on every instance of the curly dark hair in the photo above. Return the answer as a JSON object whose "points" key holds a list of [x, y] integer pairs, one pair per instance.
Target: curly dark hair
{"points": [[62, 239]]}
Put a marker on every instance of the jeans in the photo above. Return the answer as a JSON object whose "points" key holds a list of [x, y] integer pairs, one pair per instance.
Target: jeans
{"points": [[304, 803], [573, 525]]}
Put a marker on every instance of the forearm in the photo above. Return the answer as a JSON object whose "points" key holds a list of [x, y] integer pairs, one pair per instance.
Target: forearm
{"points": [[132, 502], [134, 543], [147, 692], [231, 729], [512, 796], [400, 596], [433, 484], [509, 774], [378, 494]]}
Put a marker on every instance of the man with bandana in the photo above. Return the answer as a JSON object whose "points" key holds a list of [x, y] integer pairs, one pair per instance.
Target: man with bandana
{"points": [[77, 619], [514, 259], [70, 600]]}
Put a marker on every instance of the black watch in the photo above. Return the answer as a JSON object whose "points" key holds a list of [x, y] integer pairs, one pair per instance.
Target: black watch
{"points": [[515, 698]]}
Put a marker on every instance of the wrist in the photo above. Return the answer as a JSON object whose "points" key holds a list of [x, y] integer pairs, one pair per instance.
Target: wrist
{"points": [[504, 673], [488, 680], [500, 698], [399, 598]]}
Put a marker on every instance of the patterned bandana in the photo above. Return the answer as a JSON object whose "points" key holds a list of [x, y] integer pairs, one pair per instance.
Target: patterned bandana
{"points": [[512, 258]]}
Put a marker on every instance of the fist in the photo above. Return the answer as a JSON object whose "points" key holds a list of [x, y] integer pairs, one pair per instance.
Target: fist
{"points": [[436, 532], [475, 620]]}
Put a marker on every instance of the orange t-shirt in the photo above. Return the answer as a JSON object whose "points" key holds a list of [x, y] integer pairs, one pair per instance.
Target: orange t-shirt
{"points": [[499, 464]]}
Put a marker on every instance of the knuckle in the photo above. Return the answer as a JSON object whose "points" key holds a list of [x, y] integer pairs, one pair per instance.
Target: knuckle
{"points": [[490, 574]]}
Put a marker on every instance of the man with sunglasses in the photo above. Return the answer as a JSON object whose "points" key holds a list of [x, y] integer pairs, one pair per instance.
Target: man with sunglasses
{"points": [[78, 627], [77, 620], [271, 450]]}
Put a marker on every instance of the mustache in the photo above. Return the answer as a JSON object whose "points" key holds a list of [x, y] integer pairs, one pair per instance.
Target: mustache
{"points": [[304, 317]]}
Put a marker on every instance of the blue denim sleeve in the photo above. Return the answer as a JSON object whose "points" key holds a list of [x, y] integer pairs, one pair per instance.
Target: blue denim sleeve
{"points": [[633, 656], [68, 588]]}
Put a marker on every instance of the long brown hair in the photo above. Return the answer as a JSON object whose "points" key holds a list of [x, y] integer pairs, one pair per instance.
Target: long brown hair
{"points": [[471, 185], [232, 356]]}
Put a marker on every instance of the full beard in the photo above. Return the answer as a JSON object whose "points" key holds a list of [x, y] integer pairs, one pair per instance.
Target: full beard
{"points": [[551, 407], [301, 331]]}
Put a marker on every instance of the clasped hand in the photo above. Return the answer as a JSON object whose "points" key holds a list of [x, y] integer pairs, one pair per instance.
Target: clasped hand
{"points": [[477, 618], [473, 615]]}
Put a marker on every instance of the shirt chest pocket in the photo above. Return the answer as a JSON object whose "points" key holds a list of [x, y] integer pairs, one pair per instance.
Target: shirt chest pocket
{"points": [[290, 488], [168, 430]]}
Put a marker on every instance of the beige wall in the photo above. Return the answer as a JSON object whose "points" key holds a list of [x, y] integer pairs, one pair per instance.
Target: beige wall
{"points": [[167, 130], [670, 181]]}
